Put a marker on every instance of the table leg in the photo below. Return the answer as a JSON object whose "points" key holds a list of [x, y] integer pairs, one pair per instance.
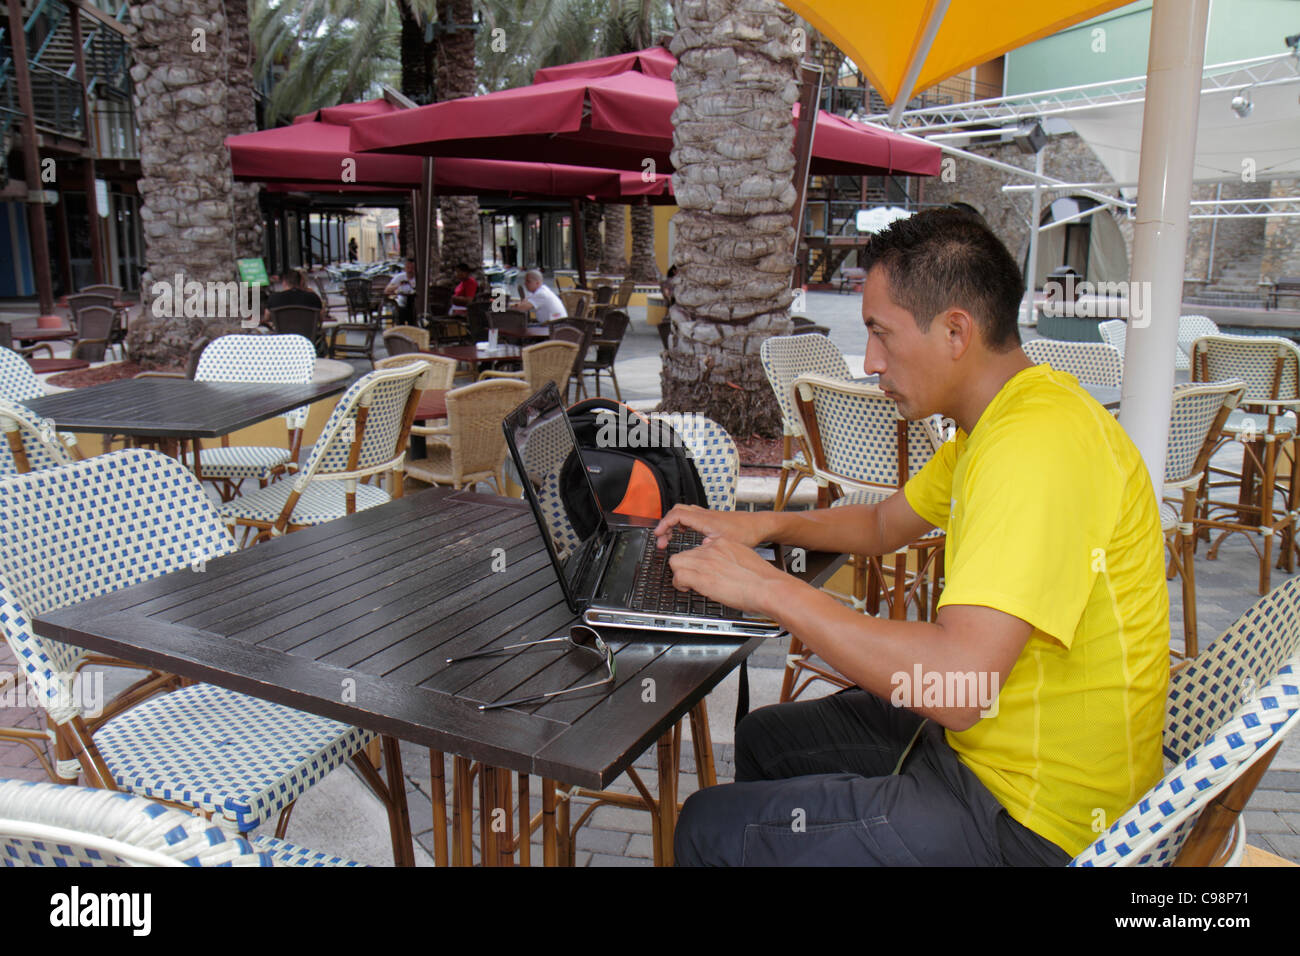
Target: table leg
{"points": [[525, 823], [438, 796], [462, 813], [486, 801], [667, 809], [564, 841], [549, 843], [502, 820], [702, 739], [403, 839]]}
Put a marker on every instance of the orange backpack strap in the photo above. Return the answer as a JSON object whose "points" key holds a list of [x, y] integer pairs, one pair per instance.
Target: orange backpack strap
{"points": [[643, 498]]}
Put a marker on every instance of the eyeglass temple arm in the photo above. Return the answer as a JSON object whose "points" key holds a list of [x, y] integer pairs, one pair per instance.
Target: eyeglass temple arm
{"points": [[502, 650], [536, 697]]}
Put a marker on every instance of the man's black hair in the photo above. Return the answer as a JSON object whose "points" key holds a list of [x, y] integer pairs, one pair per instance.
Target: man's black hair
{"points": [[948, 258], [461, 267]]}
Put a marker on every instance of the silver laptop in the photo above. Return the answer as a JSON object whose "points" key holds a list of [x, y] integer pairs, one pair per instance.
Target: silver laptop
{"points": [[614, 575]]}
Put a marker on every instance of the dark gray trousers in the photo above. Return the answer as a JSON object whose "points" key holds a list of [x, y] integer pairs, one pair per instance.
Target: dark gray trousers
{"points": [[816, 786]]}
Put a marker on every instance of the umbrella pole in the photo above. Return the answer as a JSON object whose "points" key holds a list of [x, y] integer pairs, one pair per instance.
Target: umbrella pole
{"points": [[810, 99], [1175, 64], [424, 238], [579, 243]]}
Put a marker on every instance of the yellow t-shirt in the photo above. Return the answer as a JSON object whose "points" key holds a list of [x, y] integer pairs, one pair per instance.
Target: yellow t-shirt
{"points": [[1051, 517]]}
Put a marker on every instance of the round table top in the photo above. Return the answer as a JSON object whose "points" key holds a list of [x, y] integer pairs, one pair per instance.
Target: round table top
{"points": [[32, 334], [473, 354], [433, 404], [329, 370]]}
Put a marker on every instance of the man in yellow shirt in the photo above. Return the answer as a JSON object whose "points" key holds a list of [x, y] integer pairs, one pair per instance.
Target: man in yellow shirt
{"points": [[1027, 716]]}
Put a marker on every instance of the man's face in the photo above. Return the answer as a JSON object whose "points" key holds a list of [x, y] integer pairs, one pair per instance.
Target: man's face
{"points": [[531, 283], [909, 362], [410, 267]]}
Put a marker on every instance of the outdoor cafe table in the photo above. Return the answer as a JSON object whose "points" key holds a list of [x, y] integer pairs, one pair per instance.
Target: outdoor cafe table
{"points": [[175, 410], [474, 356], [528, 333], [354, 620]]}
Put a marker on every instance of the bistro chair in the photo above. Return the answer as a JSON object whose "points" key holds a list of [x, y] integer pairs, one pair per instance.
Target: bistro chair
{"points": [[31, 443], [564, 283], [1092, 363], [403, 339], [272, 359], [716, 459], [1265, 425], [94, 332], [607, 344], [17, 380], [112, 291], [368, 329], [440, 299], [577, 302], [785, 358], [543, 362], [471, 446], [805, 326], [1195, 423], [509, 320], [84, 299], [243, 761], [862, 452], [440, 371], [1191, 328], [356, 293], [365, 437], [299, 320], [1114, 332], [378, 299], [1228, 712], [581, 335], [45, 824], [27, 351]]}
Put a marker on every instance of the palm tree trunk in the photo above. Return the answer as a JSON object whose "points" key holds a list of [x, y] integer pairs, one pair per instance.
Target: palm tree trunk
{"points": [[457, 77], [241, 117], [414, 55], [185, 185], [614, 254], [643, 266], [732, 138]]}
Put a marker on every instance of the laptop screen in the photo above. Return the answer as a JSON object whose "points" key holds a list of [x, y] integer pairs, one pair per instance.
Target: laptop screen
{"points": [[541, 442]]}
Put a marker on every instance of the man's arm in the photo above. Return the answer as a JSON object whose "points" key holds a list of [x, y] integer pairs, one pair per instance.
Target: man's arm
{"points": [[880, 656], [853, 529]]}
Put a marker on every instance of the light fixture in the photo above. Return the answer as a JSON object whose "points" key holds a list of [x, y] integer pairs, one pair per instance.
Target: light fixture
{"points": [[1241, 103]]}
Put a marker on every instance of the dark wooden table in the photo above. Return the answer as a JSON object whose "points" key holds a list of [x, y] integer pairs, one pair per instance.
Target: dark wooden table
{"points": [[432, 406], [474, 356], [355, 619], [528, 334], [32, 333], [49, 365]]}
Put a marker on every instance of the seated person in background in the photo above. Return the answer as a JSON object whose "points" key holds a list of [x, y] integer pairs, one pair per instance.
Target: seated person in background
{"points": [[540, 299], [402, 285], [295, 292], [1029, 712], [466, 289]]}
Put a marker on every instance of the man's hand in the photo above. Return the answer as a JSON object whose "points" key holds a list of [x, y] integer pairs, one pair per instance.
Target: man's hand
{"points": [[748, 528], [725, 571]]}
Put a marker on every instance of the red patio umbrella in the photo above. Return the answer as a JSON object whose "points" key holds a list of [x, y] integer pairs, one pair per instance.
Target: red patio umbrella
{"points": [[588, 115]]}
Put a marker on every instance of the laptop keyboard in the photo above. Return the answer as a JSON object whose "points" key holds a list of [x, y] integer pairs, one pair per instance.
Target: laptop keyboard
{"points": [[654, 589]]}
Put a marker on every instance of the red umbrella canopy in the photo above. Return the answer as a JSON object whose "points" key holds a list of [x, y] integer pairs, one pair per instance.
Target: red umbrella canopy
{"points": [[584, 114], [310, 155]]}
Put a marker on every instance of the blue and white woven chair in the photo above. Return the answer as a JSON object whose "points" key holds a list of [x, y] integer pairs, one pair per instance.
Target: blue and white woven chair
{"points": [[1092, 363], [713, 452], [44, 824], [17, 380], [365, 436], [861, 453], [1191, 328], [31, 443], [785, 358], [1265, 425], [1229, 710], [279, 359], [1114, 332], [1195, 421], [77, 533]]}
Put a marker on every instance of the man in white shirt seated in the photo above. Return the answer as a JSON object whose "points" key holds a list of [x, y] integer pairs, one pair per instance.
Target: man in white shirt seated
{"points": [[402, 285], [540, 299]]}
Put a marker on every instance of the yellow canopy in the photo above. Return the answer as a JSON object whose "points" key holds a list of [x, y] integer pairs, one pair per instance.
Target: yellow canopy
{"points": [[885, 39]]}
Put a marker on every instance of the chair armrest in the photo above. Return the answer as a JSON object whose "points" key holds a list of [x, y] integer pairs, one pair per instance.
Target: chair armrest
{"points": [[492, 373], [32, 349], [430, 430]]}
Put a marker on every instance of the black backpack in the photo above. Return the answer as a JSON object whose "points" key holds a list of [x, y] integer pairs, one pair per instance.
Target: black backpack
{"points": [[638, 466]]}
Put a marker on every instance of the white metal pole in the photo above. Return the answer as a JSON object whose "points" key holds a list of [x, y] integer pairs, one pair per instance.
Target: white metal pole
{"points": [[1031, 273], [1175, 60]]}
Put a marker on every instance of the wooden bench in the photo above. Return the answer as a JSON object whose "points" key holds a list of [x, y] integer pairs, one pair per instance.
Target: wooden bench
{"points": [[1289, 285]]}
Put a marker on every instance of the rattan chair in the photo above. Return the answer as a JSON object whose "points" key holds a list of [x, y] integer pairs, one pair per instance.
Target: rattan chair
{"points": [[31, 443], [577, 302], [404, 339], [785, 358], [279, 359], [440, 371], [1092, 363], [1195, 422], [299, 320], [607, 344], [45, 824], [17, 380], [1229, 710], [581, 335], [1264, 422], [543, 362], [94, 332], [862, 452], [565, 283], [365, 437], [1191, 328], [84, 299], [470, 447], [112, 291], [74, 534]]}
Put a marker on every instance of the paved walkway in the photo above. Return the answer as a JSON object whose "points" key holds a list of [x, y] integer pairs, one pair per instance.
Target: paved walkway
{"points": [[342, 816]]}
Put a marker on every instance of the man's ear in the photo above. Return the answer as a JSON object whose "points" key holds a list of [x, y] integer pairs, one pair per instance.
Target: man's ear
{"points": [[960, 331]]}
